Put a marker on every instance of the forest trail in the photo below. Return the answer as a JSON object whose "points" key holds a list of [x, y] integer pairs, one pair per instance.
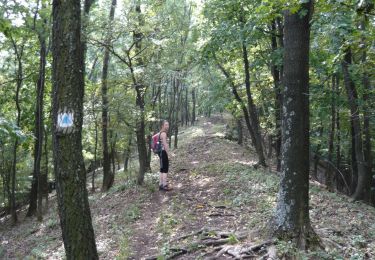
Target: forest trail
{"points": [[218, 201], [198, 200]]}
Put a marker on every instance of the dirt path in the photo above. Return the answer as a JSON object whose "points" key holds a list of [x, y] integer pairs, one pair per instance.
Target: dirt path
{"points": [[197, 200]]}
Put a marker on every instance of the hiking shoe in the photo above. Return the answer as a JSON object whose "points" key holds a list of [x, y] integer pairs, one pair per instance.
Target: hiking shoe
{"points": [[165, 188]]}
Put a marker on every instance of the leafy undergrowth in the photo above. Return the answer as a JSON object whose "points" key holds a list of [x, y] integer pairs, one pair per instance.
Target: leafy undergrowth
{"points": [[218, 208]]}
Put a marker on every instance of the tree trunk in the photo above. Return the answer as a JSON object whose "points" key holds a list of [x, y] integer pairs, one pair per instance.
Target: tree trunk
{"points": [[363, 180], [254, 120], [276, 74], [367, 108], [46, 159], [330, 170], [127, 154], [317, 152], [291, 220], [67, 107], [186, 106], [193, 116], [95, 155], [140, 101], [338, 127], [19, 81], [179, 104], [239, 130], [108, 175], [39, 122]]}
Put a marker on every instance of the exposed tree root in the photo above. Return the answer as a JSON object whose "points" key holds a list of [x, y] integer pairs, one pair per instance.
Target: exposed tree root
{"points": [[221, 244]]}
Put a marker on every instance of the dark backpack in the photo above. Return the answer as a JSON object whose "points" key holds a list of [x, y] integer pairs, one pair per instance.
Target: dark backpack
{"points": [[156, 143]]}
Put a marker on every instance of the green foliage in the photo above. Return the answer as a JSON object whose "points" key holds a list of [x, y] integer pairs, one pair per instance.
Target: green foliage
{"points": [[132, 213]]}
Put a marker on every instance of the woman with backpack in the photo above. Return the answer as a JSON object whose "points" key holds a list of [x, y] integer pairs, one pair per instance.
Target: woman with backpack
{"points": [[161, 148]]}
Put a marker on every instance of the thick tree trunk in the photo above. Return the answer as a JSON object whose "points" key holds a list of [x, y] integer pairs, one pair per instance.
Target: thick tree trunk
{"points": [[140, 89], [291, 220], [67, 107], [363, 180], [108, 175], [367, 108]]}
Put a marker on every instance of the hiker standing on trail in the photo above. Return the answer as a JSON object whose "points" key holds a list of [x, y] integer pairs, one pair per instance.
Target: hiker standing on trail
{"points": [[162, 150]]}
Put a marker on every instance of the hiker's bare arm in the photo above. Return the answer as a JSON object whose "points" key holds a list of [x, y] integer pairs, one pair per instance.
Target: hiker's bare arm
{"points": [[163, 137]]}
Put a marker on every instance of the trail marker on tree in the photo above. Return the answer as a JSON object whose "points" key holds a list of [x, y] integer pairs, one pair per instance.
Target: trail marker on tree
{"points": [[65, 121]]}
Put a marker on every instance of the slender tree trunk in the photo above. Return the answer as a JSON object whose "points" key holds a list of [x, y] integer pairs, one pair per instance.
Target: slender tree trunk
{"points": [[95, 156], [330, 170], [276, 73], [127, 154], [179, 104], [19, 81], [317, 153], [240, 132], [193, 116], [39, 124], [67, 107], [239, 100], [38, 129], [291, 220], [46, 160], [254, 120], [108, 175], [363, 182], [338, 127], [186, 106]]}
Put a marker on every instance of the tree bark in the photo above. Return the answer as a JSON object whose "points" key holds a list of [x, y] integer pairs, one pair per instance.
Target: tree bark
{"points": [[95, 155], [330, 170], [67, 107], [363, 180], [39, 122], [127, 154], [193, 116], [19, 80], [276, 74], [252, 110], [338, 126], [239, 130], [367, 108], [291, 220], [108, 175]]}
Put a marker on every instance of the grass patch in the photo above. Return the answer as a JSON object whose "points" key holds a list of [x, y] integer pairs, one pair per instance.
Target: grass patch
{"points": [[132, 213], [125, 248]]}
